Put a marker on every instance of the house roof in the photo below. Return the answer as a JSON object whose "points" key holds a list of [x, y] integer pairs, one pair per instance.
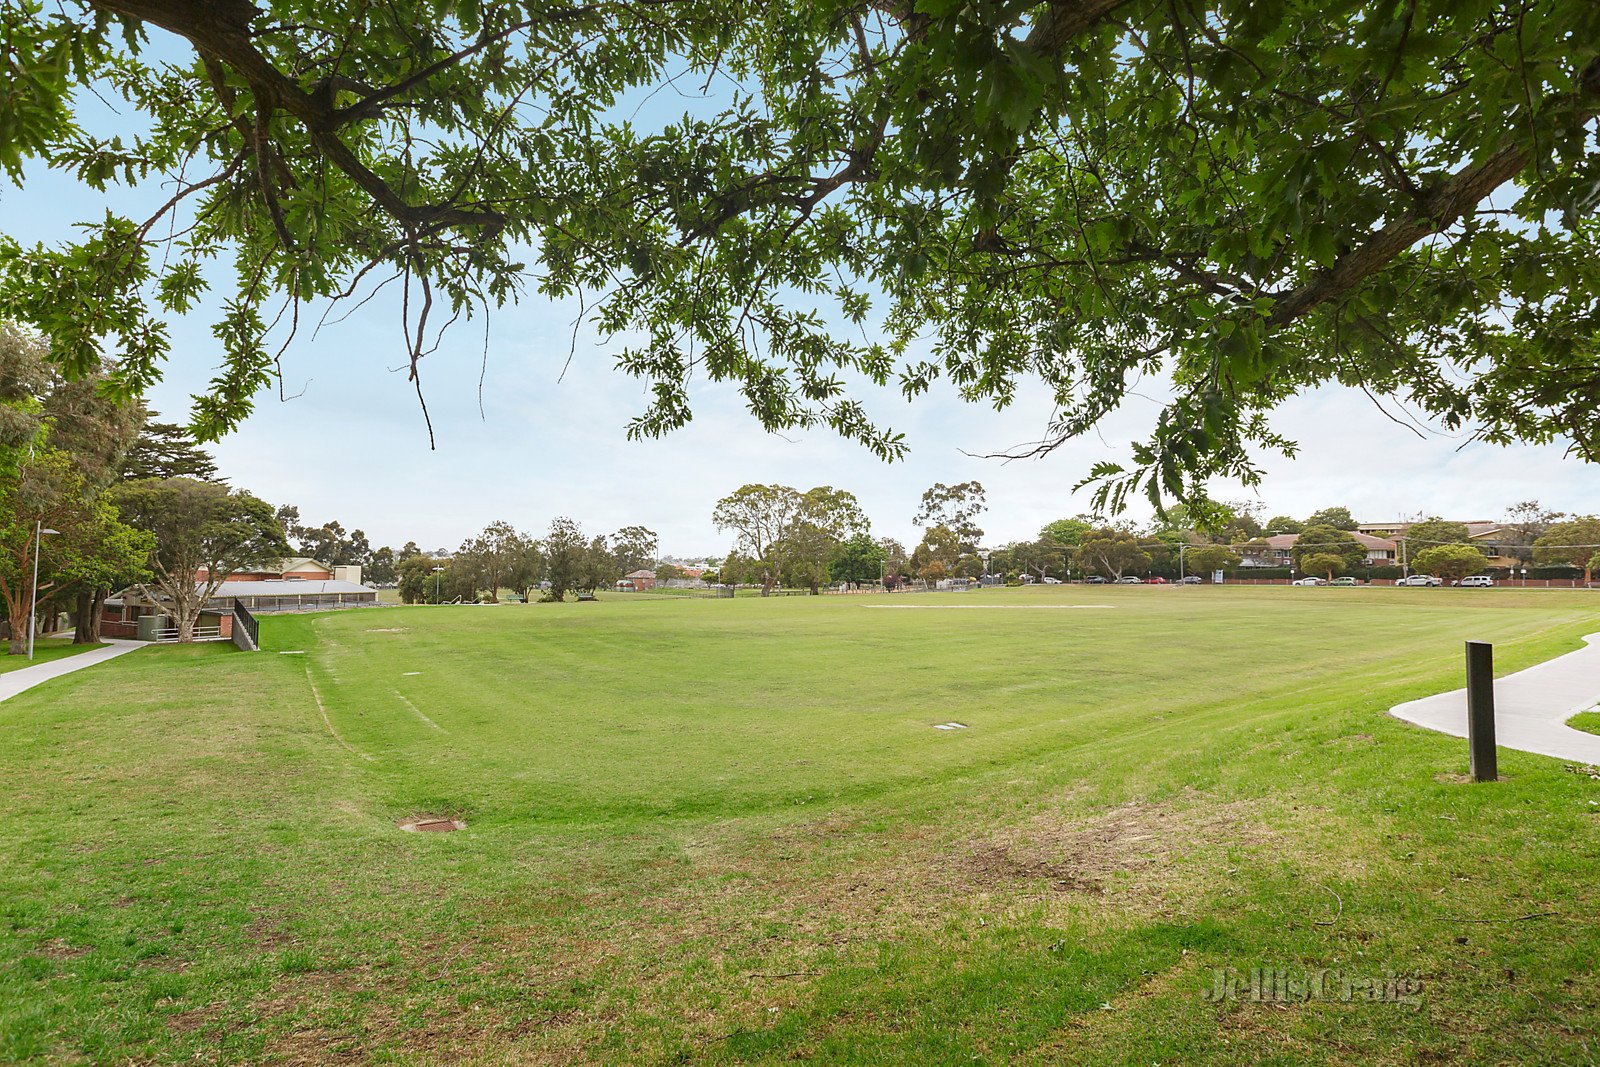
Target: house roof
{"points": [[640, 574], [296, 563], [1367, 541], [1475, 528]]}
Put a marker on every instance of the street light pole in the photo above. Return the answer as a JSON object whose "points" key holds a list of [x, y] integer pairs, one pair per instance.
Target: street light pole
{"points": [[33, 605], [436, 571]]}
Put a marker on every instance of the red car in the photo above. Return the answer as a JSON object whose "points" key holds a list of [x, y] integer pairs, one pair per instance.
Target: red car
{"points": [[1157, 580]]}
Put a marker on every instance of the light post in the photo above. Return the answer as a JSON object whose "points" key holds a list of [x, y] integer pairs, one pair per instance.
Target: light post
{"points": [[33, 605], [436, 572], [1524, 577]]}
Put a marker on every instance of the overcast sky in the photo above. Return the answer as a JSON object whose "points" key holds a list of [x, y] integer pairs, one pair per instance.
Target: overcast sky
{"points": [[350, 444]]}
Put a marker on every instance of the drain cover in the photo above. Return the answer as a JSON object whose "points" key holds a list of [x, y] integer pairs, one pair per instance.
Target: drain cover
{"points": [[431, 824]]}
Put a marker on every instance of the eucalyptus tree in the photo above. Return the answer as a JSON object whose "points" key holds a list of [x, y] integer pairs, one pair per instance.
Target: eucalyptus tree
{"points": [[202, 533], [1067, 196]]}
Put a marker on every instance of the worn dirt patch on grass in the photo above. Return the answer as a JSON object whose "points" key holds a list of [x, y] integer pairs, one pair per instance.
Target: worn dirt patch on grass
{"points": [[755, 904], [187, 1022], [394, 1019], [1140, 838], [57, 949]]}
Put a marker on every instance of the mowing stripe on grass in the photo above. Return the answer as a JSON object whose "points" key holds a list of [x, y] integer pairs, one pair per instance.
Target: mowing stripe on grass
{"points": [[418, 712], [992, 607], [322, 710]]}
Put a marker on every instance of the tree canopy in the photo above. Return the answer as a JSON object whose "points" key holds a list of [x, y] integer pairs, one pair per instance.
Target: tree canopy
{"points": [[1328, 565], [1338, 518], [1248, 199], [203, 532], [1436, 531], [167, 450], [1569, 544], [1450, 562], [61, 444], [1327, 540]]}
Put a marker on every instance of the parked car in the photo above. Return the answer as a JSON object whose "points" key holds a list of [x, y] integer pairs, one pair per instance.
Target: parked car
{"points": [[1052, 581], [1094, 579], [1346, 580], [1192, 579], [1310, 581], [1158, 580], [1130, 579], [1420, 579], [1476, 581]]}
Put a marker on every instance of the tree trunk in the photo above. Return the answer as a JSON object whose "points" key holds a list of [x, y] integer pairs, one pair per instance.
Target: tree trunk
{"points": [[84, 614], [88, 629], [18, 632]]}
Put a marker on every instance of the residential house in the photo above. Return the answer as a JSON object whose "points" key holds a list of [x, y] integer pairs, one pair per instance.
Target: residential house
{"points": [[1493, 539], [1279, 551], [638, 581]]}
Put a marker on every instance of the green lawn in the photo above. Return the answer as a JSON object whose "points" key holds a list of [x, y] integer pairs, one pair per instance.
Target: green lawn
{"points": [[45, 649], [726, 830], [1587, 721]]}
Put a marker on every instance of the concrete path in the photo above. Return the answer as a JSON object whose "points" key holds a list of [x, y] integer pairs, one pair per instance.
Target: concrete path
{"points": [[19, 681], [1531, 707]]}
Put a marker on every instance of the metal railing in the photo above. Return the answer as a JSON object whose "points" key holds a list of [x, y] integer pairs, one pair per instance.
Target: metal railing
{"points": [[201, 633], [246, 631]]}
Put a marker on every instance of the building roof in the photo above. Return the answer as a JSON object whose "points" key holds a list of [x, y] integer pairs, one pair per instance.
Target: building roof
{"points": [[640, 574], [1367, 541], [1475, 528], [288, 587], [296, 563], [269, 587]]}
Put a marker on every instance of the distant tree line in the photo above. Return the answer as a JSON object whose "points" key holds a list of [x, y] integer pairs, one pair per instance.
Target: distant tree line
{"points": [[503, 560]]}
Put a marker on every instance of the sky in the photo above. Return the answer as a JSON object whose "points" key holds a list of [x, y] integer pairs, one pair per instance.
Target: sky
{"points": [[544, 437]]}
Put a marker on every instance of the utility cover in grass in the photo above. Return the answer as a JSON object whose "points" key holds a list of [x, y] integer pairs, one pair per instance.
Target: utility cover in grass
{"points": [[431, 824]]}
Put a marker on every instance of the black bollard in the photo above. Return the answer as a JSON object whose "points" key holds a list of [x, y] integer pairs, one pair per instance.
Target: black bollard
{"points": [[1480, 711]]}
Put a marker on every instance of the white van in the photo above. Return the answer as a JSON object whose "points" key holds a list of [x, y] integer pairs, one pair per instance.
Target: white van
{"points": [[1476, 581]]}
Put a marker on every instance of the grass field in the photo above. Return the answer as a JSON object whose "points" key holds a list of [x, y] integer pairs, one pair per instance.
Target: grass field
{"points": [[726, 830], [45, 649]]}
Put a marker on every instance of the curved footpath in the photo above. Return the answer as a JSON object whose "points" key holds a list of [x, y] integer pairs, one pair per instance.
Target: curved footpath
{"points": [[19, 681], [1531, 707]]}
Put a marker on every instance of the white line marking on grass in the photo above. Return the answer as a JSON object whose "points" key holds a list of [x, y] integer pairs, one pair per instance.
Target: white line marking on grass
{"points": [[295, 653], [409, 674], [418, 712], [991, 607], [950, 726], [323, 711]]}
